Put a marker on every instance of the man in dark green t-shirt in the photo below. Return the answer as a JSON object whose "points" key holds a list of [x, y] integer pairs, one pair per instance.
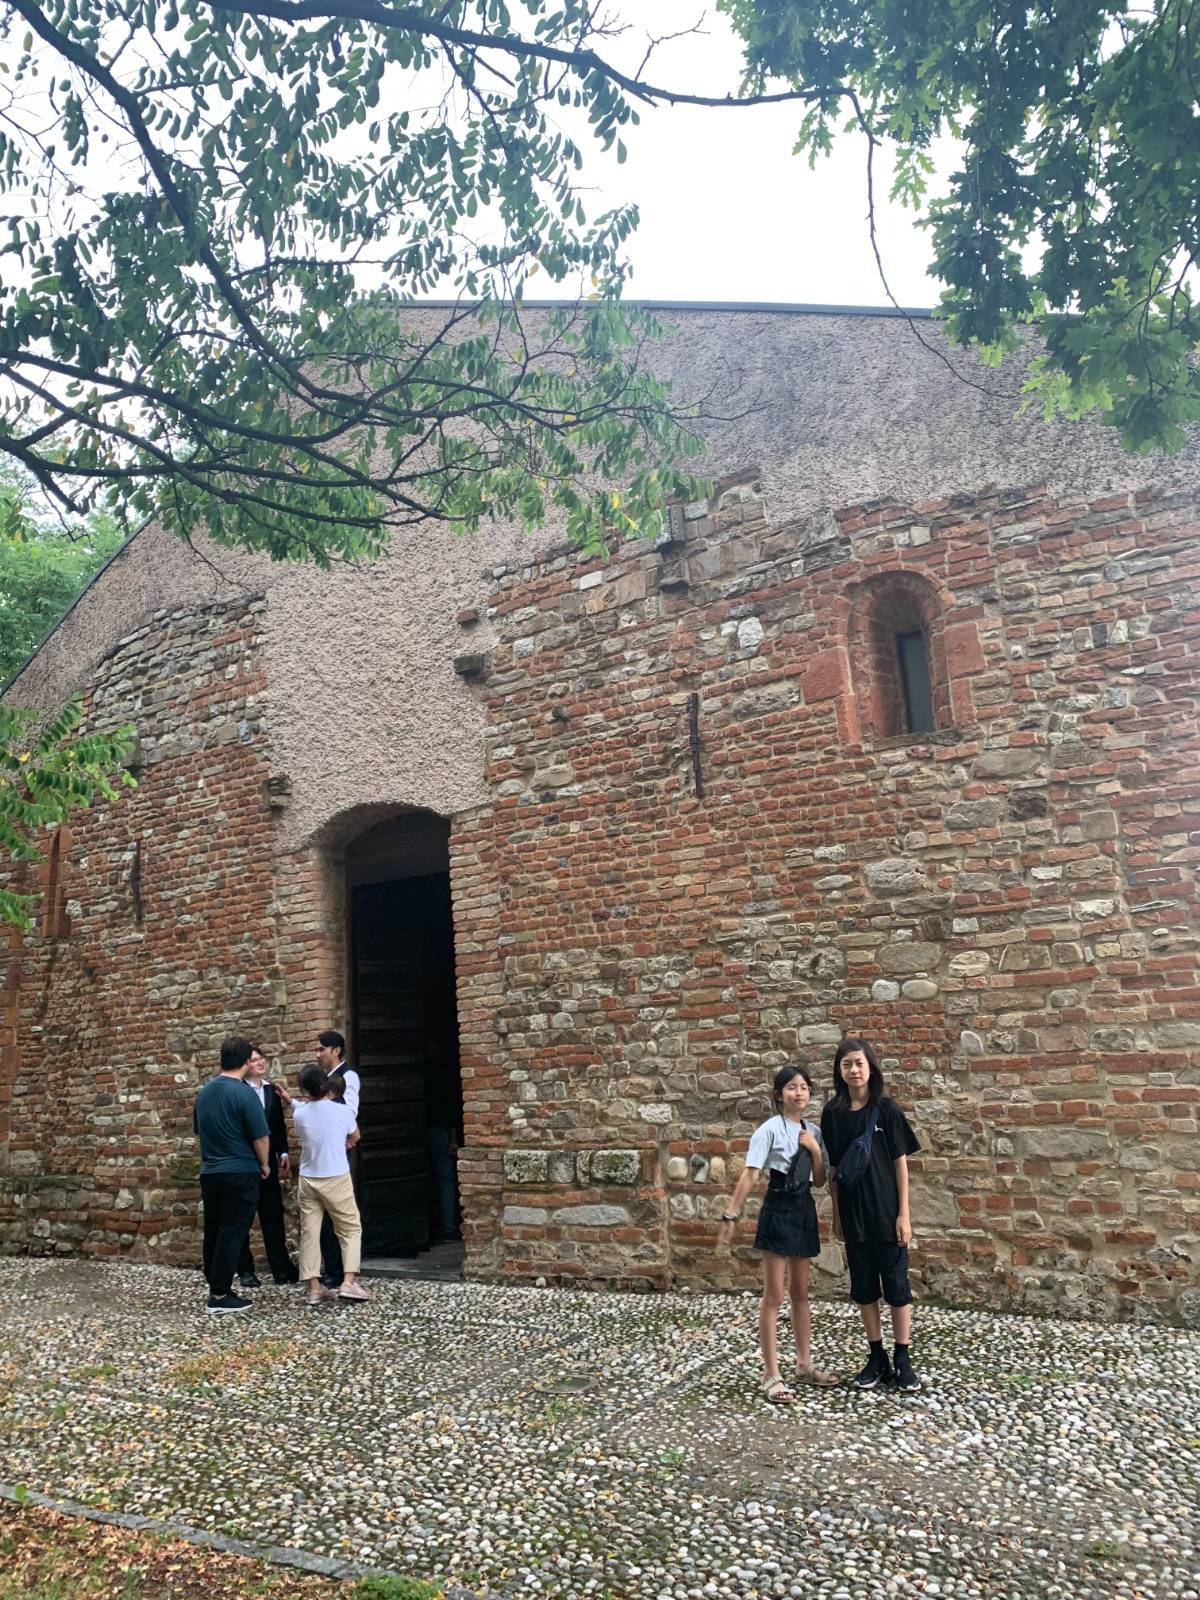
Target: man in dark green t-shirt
{"points": [[234, 1155]]}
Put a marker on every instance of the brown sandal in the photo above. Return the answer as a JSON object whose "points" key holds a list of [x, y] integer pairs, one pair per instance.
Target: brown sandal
{"points": [[777, 1392], [816, 1376]]}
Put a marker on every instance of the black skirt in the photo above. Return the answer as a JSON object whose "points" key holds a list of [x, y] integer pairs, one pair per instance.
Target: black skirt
{"points": [[787, 1223]]}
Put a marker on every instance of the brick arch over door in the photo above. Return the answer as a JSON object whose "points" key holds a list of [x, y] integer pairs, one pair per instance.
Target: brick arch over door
{"points": [[882, 610]]}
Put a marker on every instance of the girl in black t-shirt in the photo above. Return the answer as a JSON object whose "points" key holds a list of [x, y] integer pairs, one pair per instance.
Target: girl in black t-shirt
{"points": [[871, 1219]]}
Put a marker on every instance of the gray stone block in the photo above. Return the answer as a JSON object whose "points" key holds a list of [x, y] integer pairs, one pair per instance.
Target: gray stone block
{"points": [[526, 1166], [1006, 763], [975, 814], [1063, 1144], [592, 1216], [893, 875], [919, 989], [615, 1166], [909, 956]]}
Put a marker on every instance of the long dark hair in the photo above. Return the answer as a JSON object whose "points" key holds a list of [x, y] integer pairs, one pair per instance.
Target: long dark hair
{"points": [[315, 1084], [841, 1094], [782, 1078]]}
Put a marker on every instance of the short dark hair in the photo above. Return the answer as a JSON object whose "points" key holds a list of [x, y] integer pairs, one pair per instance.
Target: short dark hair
{"points": [[783, 1077], [332, 1040], [315, 1084], [235, 1052]]}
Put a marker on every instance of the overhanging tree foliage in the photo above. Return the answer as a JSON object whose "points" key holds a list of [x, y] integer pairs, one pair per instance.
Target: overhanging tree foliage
{"points": [[45, 774], [213, 221], [1078, 198], [217, 216], [46, 770], [43, 566]]}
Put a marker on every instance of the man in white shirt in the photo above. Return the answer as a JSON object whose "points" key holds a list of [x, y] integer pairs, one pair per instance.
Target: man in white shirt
{"points": [[331, 1058]]}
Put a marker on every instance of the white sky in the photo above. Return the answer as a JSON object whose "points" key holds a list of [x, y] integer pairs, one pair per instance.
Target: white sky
{"points": [[727, 211]]}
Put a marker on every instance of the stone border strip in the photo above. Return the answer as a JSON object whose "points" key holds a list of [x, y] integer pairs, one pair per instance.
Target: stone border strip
{"points": [[275, 1555]]}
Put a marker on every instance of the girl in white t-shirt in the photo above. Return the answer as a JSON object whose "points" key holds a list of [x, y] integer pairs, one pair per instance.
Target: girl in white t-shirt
{"points": [[327, 1132], [790, 1149]]}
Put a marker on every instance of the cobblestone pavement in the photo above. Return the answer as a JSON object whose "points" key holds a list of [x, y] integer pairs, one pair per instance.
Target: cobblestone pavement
{"points": [[557, 1443]]}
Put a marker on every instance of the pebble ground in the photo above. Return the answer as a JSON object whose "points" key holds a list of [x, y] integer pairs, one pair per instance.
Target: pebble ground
{"points": [[551, 1443]]}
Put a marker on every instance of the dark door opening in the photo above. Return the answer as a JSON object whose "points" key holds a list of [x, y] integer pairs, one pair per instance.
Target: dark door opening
{"points": [[406, 1041]]}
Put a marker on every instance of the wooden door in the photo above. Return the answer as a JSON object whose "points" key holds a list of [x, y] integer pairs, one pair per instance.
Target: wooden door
{"points": [[400, 942]]}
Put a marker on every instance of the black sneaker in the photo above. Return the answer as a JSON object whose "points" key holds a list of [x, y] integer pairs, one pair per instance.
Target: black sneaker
{"points": [[905, 1377], [877, 1373], [217, 1304], [290, 1277], [249, 1281]]}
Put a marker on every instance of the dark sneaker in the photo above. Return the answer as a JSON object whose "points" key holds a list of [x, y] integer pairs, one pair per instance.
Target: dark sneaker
{"points": [[249, 1281], [217, 1304], [905, 1377], [290, 1277], [877, 1373]]}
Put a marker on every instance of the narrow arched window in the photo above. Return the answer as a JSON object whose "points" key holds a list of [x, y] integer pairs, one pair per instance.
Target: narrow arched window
{"points": [[56, 923], [912, 651], [897, 656]]}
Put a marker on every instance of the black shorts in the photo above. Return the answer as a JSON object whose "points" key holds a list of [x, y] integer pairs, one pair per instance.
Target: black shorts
{"points": [[878, 1269], [787, 1223]]}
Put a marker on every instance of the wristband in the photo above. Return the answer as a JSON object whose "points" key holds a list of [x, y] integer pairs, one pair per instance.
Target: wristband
{"points": [[727, 1216]]}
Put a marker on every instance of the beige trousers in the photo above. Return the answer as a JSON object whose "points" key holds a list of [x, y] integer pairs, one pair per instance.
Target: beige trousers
{"points": [[335, 1195]]}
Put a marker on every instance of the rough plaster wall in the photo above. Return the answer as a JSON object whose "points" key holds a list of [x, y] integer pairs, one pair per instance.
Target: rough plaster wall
{"points": [[365, 705]]}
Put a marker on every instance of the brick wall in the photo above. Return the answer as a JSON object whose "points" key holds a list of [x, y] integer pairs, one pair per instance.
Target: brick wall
{"points": [[703, 860], [707, 853], [108, 1025]]}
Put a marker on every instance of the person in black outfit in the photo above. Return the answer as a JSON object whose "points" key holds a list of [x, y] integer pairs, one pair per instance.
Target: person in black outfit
{"points": [[872, 1217], [443, 1116], [234, 1155], [270, 1196], [331, 1058]]}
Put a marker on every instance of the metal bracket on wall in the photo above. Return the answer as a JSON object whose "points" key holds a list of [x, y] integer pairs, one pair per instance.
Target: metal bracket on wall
{"points": [[694, 742], [135, 882]]}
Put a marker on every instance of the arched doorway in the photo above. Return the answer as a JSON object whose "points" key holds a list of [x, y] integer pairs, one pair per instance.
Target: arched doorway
{"points": [[404, 1037]]}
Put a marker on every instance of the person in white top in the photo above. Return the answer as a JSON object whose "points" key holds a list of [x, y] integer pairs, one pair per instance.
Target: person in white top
{"points": [[346, 1087], [327, 1132], [790, 1149]]}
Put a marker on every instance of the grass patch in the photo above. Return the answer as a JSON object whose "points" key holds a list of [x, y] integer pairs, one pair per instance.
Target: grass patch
{"points": [[230, 1366], [48, 1556], [388, 1586], [558, 1410], [1015, 1381], [1104, 1550]]}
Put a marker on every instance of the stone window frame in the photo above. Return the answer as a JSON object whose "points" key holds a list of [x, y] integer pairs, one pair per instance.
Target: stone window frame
{"points": [[879, 608]]}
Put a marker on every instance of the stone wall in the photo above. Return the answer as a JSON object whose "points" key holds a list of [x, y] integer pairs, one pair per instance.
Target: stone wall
{"points": [[706, 855], [160, 941]]}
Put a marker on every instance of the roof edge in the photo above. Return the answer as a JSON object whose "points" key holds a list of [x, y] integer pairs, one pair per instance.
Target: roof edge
{"points": [[795, 308], [88, 586]]}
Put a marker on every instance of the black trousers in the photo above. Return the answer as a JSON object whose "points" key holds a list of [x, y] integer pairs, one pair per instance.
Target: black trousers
{"points": [[230, 1200], [332, 1269], [270, 1217]]}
